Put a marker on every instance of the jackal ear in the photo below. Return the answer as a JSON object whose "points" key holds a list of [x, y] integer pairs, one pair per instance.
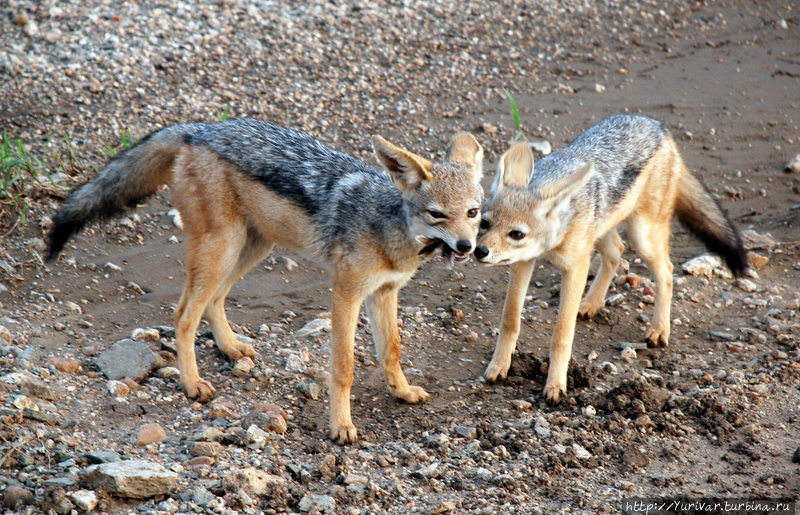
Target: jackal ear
{"points": [[466, 150], [514, 168], [407, 169], [567, 185]]}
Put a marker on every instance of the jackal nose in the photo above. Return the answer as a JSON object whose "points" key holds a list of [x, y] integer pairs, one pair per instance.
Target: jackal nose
{"points": [[463, 246], [481, 252]]}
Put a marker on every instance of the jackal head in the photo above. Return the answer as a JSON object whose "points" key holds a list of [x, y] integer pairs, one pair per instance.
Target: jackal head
{"points": [[521, 221], [442, 200]]}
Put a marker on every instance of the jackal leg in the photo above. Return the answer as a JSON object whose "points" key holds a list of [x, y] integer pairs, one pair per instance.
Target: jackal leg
{"points": [[610, 247], [651, 241], [253, 251], [509, 330], [573, 282], [344, 312], [382, 312]]}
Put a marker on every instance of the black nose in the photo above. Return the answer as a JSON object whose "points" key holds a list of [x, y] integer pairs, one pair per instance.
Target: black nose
{"points": [[463, 246], [481, 252]]}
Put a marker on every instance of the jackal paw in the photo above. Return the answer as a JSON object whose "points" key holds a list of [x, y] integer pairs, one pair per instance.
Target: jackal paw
{"points": [[658, 337], [201, 390], [239, 350], [344, 433], [413, 395], [496, 371], [554, 393], [588, 310]]}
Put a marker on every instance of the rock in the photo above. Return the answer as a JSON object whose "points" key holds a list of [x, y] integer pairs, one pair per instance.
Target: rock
{"points": [[753, 240], [168, 373], [222, 409], [580, 451], [634, 458], [720, 335], [644, 420], [745, 284], [243, 367], [118, 388], [72, 308], [520, 404], [289, 263], [630, 345], [589, 411], [793, 166], [151, 433], [67, 365], [615, 299], [201, 495], [599, 88], [205, 449], [15, 497], [149, 334], [707, 265], [315, 327], [5, 334], [31, 385], [628, 354], [310, 389], [757, 260], [210, 434], [177, 221], [317, 503], [128, 358], [271, 420], [468, 432], [252, 481], [101, 456], [22, 402], [294, 363], [136, 479], [428, 472], [445, 507], [85, 500]]}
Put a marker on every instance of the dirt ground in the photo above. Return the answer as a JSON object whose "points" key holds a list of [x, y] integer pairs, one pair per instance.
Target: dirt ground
{"points": [[731, 96]]}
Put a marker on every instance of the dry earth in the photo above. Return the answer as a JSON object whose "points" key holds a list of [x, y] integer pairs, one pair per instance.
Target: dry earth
{"points": [[714, 415]]}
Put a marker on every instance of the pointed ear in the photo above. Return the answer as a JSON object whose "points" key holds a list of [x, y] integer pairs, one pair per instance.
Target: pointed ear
{"points": [[514, 168], [564, 187], [407, 169], [465, 149]]}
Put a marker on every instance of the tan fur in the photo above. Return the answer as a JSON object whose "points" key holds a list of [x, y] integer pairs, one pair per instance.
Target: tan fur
{"points": [[648, 207], [233, 221]]}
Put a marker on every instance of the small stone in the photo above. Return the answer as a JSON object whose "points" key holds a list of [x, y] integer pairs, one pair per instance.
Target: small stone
{"points": [[205, 449], [168, 373], [137, 479], [85, 500], [745, 284], [630, 345], [317, 503], [210, 434], [521, 404], [177, 221], [628, 354], [5, 334], [427, 472], [67, 365], [22, 402], [101, 456], [757, 260], [445, 507], [580, 451], [310, 389], [149, 334], [16, 497], [289, 263], [118, 388], [252, 481], [707, 265], [720, 335], [599, 88], [468, 432], [615, 299], [128, 358], [753, 240], [793, 166], [589, 411], [151, 433], [243, 367], [644, 421], [315, 327], [72, 308]]}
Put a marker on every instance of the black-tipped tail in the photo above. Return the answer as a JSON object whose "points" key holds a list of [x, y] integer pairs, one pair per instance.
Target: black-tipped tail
{"points": [[703, 216]]}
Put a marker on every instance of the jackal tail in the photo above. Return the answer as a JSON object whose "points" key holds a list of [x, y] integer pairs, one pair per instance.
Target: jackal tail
{"points": [[129, 178], [704, 217]]}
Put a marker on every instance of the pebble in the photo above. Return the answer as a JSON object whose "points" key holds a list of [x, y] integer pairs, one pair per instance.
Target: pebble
{"points": [[315, 327], [243, 367], [745, 284], [16, 497], [628, 354], [294, 363], [580, 451], [706, 265], [317, 503], [309, 389], [631, 345], [793, 166], [5, 334], [721, 335], [85, 500], [521, 404], [67, 365], [149, 334], [615, 299], [589, 411], [151, 433], [118, 388]]}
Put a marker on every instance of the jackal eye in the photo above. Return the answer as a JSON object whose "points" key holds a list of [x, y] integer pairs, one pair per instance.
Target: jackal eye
{"points": [[484, 224], [516, 235], [436, 214], [472, 213]]}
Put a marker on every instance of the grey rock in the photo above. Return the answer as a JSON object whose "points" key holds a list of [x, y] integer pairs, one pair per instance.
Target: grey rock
{"points": [[85, 500], [720, 335], [95, 457], [15, 497], [59, 482], [310, 389], [136, 479], [470, 433], [128, 358], [631, 345]]}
